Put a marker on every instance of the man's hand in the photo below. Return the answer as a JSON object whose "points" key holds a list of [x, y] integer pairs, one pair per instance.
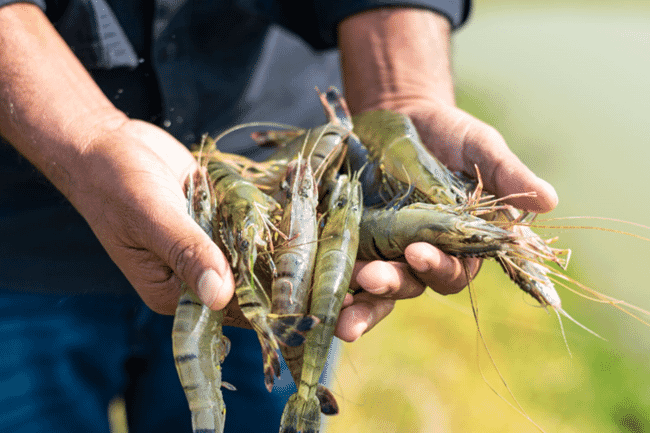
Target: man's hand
{"points": [[129, 187], [125, 177], [398, 59]]}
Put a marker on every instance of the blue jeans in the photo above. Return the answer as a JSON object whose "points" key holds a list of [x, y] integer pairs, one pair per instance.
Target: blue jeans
{"points": [[62, 358]]}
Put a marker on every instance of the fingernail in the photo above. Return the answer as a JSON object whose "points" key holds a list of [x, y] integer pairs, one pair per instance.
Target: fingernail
{"points": [[550, 191], [359, 329], [208, 289]]}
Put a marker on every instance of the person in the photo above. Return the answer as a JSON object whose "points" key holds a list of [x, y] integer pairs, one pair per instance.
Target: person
{"points": [[102, 97]]}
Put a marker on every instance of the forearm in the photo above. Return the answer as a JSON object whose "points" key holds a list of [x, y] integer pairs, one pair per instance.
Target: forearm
{"points": [[50, 107], [394, 57], [398, 58]]}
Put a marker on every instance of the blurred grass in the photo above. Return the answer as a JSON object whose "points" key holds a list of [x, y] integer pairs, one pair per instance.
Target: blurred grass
{"points": [[566, 84]]}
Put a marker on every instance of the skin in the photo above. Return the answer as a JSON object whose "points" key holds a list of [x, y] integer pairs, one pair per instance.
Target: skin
{"points": [[398, 59], [125, 176]]}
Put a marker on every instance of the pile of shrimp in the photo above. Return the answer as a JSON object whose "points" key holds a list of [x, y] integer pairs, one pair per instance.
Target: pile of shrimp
{"points": [[355, 188]]}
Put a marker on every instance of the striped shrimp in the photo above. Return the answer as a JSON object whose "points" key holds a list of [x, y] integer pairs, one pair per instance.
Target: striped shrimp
{"points": [[198, 343], [245, 220], [335, 259], [295, 263], [399, 163], [295, 260], [403, 168], [385, 233]]}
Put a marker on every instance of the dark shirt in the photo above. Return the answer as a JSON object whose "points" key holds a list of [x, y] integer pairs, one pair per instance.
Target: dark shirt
{"points": [[188, 66]]}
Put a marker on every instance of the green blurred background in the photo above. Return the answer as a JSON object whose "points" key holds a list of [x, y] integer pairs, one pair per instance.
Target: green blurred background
{"points": [[567, 85]]}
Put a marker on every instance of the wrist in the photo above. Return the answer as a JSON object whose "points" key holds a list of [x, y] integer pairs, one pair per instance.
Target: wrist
{"points": [[395, 57]]}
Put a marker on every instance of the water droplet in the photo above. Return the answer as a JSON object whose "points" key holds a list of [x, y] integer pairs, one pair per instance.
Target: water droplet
{"points": [[171, 110], [120, 91], [189, 137], [167, 123], [140, 60], [179, 119]]}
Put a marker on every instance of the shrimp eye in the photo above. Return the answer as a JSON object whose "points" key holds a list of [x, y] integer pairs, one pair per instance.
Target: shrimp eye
{"points": [[476, 238]]}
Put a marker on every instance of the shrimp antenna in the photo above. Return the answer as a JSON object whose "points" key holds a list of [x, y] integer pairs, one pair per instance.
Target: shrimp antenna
{"points": [[602, 229], [254, 125], [565, 314], [566, 343], [518, 408], [617, 220], [598, 297]]}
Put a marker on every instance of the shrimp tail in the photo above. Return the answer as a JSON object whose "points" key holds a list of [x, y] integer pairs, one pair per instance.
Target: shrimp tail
{"points": [[301, 415], [270, 361], [328, 404], [289, 329], [293, 356]]}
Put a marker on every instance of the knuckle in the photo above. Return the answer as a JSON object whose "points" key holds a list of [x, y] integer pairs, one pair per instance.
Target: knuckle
{"points": [[480, 132], [183, 257]]}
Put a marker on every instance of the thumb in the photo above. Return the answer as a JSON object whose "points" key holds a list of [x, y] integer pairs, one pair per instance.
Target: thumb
{"points": [[194, 258], [462, 142], [503, 172]]}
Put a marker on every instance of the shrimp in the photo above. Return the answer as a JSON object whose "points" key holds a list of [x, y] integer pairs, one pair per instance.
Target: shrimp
{"points": [[405, 167], [385, 233], [399, 163], [198, 343], [295, 260], [335, 259], [326, 144], [266, 175], [244, 222], [295, 263]]}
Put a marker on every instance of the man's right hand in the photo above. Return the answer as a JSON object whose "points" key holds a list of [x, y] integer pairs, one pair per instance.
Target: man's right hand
{"points": [[125, 177], [129, 188]]}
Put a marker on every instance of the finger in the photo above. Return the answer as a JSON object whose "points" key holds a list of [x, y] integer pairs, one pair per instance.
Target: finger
{"points": [[362, 316], [443, 273], [506, 174], [348, 300], [392, 280]]}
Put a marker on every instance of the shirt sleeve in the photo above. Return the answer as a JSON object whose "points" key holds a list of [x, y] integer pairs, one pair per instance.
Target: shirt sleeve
{"points": [[316, 21], [331, 12], [39, 3]]}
